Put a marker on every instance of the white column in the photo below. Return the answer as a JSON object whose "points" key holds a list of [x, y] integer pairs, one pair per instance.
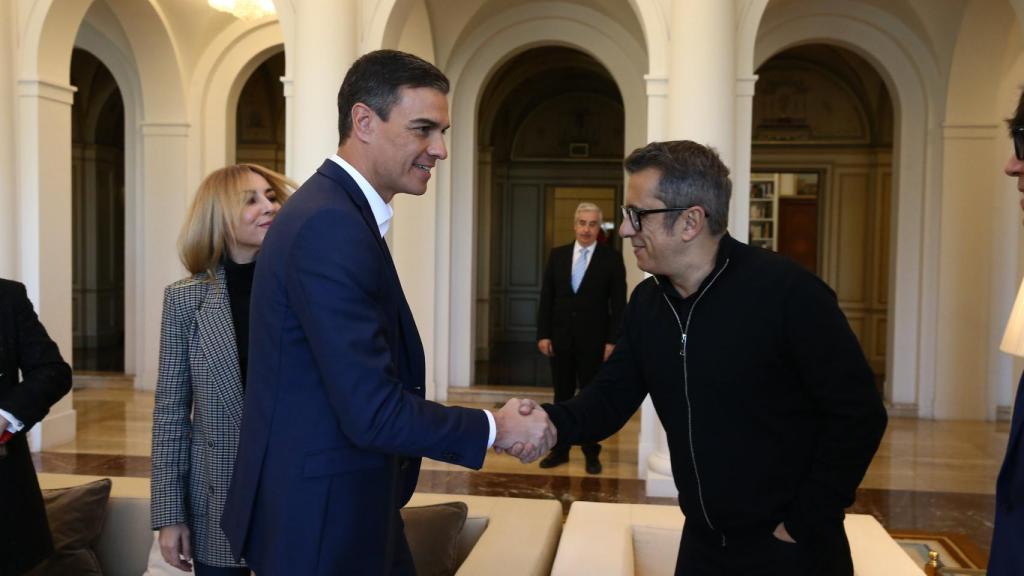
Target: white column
{"points": [[967, 328], [702, 75], [739, 208], [162, 205], [44, 227], [325, 47], [8, 145], [657, 107], [653, 456], [699, 105]]}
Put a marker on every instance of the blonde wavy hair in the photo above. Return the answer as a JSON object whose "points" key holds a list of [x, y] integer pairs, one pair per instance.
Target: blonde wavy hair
{"points": [[210, 226]]}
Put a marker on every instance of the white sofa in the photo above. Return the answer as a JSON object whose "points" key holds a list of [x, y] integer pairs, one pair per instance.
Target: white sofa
{"points": [[601, 539], [502, 536]]}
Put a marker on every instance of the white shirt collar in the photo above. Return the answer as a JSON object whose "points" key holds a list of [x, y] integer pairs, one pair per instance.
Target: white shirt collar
{"points": [[382, 212], [580, 247]]}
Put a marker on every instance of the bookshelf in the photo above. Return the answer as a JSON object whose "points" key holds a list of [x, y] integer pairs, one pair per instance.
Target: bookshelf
{"points": [[764, 211]]}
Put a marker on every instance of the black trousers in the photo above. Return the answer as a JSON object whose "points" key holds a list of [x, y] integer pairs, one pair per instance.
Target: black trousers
{"points": [[703, 554], [572, 368]]}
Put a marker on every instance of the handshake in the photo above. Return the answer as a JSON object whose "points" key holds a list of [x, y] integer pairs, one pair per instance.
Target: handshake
{"points": [[523, 430]]}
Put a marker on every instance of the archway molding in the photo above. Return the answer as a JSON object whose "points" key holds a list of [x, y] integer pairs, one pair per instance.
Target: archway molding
{"points": [[389, 16], [112, 54], [218, 81]]}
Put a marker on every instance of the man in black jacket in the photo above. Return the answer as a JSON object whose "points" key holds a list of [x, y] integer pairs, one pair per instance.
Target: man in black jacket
{"points": [[45, 378], [769, 406], [579, 316]]}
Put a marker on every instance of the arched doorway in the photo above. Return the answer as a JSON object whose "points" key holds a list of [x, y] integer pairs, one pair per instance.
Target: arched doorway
{"points": [[821, 188], [551, 132], [260, 120], [98, 210]]}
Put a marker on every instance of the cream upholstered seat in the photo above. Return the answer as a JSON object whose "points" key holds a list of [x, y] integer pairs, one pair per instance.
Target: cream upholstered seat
{"points": [[492, 522], [602, 539], [507, 536]]}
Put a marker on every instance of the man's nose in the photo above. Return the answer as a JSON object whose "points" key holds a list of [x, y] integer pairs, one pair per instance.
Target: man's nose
{"points": [[437, 148], [626, 228], [1013, 167]]}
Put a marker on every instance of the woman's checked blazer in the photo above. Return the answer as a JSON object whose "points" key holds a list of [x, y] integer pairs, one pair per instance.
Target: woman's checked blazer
{"points": [[197, 412]]}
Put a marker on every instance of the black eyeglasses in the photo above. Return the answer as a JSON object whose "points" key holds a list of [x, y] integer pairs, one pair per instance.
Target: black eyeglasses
{"points": [[635, 215], [1017, 134]]}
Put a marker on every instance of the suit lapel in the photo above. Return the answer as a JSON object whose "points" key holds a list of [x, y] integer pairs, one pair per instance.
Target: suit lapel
{"points": [[217, 341], [406, 325], [338, 174]]}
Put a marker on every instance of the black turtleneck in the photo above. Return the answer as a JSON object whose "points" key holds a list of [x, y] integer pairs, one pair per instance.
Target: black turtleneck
{"points": [[239, 280]]}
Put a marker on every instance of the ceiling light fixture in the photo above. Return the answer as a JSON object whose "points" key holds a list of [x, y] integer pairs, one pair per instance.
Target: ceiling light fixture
{"points": [[244, 9]]}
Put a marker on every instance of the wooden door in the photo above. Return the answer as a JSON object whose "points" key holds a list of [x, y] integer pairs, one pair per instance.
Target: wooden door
{"points": [[798, 230]]}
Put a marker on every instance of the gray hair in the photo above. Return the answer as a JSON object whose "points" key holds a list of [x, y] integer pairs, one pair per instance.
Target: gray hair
{"points": [[589, 207], [691, 175]]}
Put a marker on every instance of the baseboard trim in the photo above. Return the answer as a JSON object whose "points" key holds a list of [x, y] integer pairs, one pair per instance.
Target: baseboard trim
{"points": [[902, 410], [56, 429], [1004, 413]]}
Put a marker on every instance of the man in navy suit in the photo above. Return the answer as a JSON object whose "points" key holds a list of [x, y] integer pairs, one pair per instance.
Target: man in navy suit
{"points": [[1007, 555], [579, 316], [335, 420]]}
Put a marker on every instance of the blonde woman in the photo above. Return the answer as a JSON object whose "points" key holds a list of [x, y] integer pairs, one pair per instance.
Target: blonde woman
{"points": [[203, 353]]}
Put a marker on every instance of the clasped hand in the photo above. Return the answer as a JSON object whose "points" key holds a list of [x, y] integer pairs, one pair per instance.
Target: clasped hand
{"points": [[523, 430]]}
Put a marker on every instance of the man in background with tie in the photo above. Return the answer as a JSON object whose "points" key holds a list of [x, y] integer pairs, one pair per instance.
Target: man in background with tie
{"points": [[580, 313]]}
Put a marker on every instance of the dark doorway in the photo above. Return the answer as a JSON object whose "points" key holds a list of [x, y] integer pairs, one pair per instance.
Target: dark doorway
{"points": [[259, 124], [551, 129], [97, 225]]}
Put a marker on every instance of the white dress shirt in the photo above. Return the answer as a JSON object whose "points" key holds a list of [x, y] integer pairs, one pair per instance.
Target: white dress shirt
{"points": [[14, 425]]}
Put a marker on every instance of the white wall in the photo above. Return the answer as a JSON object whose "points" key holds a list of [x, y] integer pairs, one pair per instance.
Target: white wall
{"points": [[8, 182]]}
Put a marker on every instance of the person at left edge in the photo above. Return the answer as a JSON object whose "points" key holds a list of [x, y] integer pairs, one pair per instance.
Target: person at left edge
{"points": [[335, 420], [45, 378]]}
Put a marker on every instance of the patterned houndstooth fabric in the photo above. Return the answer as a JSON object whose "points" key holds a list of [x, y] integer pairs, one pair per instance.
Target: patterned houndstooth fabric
{"points": [[197, 413]]}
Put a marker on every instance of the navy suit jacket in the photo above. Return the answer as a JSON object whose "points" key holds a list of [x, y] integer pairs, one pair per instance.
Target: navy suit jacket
{"points": [[334, 420], [1007, 555]]}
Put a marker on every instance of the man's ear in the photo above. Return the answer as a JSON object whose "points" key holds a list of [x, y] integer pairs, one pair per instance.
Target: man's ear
{"points": [[693, 221], [363, 121]]}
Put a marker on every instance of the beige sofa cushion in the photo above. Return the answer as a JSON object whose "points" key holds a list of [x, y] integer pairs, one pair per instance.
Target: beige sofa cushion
{"points": [[643, 540]]}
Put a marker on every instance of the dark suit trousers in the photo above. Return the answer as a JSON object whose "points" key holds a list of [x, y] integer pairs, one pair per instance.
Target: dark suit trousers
{"points": [[572, 369]]}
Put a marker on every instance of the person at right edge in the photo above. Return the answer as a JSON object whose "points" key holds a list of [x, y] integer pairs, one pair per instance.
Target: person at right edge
{"points": [[770, 409], [1007, 555]]}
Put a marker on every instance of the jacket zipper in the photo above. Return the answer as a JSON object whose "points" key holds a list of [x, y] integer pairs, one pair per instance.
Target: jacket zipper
{"points": [[683, 331]]}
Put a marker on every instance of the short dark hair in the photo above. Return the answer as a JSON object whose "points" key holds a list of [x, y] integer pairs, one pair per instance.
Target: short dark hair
{"points": [[1018, 116], [691, 175], [376, 79]]}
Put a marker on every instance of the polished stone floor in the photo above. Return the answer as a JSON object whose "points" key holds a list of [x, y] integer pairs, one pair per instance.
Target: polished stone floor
{"points": [[933, 477]]}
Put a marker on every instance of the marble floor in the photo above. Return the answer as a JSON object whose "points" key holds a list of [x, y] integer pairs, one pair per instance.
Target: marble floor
{"points": [[934, 477]]}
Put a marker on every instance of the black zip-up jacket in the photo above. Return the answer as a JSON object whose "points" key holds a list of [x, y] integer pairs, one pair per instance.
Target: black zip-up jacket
{"points": [[771, 415]]}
